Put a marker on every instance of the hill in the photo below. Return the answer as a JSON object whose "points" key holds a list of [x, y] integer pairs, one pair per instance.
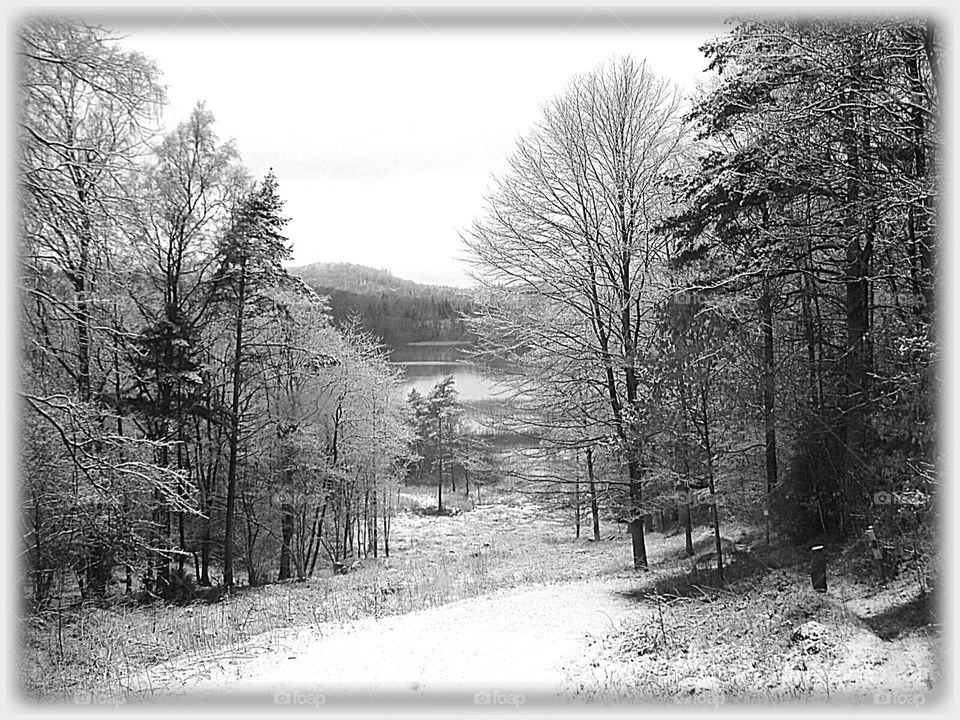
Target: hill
{"points": [[398, 311]]}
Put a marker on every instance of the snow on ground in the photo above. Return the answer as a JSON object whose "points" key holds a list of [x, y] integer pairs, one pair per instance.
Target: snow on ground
{"points": [[524, 641], [549, 633]]}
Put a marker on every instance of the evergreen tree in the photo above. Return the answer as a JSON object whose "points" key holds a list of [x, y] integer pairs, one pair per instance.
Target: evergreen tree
{"points": [[250, 265]]}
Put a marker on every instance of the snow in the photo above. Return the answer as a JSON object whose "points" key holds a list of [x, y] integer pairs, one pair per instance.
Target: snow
{"points": [[523, 642]]}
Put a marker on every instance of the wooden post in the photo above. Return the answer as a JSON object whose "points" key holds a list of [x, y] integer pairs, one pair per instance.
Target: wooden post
{"points": [[877, 552], [818, 569]]}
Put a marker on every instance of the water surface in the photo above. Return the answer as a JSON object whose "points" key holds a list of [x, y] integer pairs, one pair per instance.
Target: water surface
{"points": [[425, 364]]}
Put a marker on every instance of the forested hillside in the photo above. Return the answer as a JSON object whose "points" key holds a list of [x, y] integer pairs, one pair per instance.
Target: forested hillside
{"points": [[396, 310]]}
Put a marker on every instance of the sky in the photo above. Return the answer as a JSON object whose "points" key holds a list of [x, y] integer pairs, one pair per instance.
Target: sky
{"points": [[385, 139]]}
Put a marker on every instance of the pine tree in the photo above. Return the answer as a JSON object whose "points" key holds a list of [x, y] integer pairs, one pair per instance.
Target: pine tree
{"points": [[250, 264]]}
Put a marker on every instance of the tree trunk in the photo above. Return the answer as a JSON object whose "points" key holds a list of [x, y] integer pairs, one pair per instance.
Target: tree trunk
{"points": [[205, 543], [769, 393], [713, 491], [856, 282], [374, 508], [234, 437], [183, 463], [635, 528], [386, 526], [361, 527], [317, 538], [635, 520], [635, 525], [594, 505], [366, 522], [855, 395], [251, 534], [630, 384], [439, 466], [769, 387], [81, 285], [922, 255], [162, 520], [286, 540], [576, 502]]}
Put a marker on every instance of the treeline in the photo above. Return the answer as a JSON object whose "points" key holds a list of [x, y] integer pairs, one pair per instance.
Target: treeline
{"points": [[187, 404], [396, 310], [733, 295]]}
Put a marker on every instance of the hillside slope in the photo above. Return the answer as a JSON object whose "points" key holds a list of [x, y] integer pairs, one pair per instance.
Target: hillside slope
{"points": [[396, 310]]}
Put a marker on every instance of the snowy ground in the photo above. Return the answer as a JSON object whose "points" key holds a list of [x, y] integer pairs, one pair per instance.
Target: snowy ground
{"points": [[518, 645], [546, 618]]}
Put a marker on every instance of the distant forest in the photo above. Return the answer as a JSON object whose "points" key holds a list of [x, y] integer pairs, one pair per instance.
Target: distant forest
{"points": [[396, 310]]}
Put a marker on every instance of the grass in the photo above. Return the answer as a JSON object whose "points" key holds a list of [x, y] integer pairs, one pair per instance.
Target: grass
{"points": [[689, 640], [505, 542], [766, 635]]}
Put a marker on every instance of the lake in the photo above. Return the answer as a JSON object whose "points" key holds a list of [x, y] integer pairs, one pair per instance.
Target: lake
{"points": [[424, 364]]}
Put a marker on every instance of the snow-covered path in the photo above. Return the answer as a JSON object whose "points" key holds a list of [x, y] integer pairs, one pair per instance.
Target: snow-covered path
{"points": [[527, 640]]}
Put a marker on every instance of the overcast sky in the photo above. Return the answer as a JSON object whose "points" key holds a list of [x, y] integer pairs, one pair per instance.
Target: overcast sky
{"points": [[384, 140]]}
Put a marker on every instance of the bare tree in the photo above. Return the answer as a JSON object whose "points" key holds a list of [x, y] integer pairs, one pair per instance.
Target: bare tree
{"points": [[572, 225]]}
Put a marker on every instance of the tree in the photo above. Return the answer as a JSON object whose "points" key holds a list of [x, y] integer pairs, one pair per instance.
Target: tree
{"points": [[572, 226], [250, 257], [815, 139], [181, 391], [87, 110], [417, 424], [436, 428], [193, 181], [557, 401], [299, 343], [694, 361]]}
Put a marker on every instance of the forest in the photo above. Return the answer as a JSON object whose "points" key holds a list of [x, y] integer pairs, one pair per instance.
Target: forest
{"points": [[736, 292], [395, 310], [710, 308], [186, 400]]}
